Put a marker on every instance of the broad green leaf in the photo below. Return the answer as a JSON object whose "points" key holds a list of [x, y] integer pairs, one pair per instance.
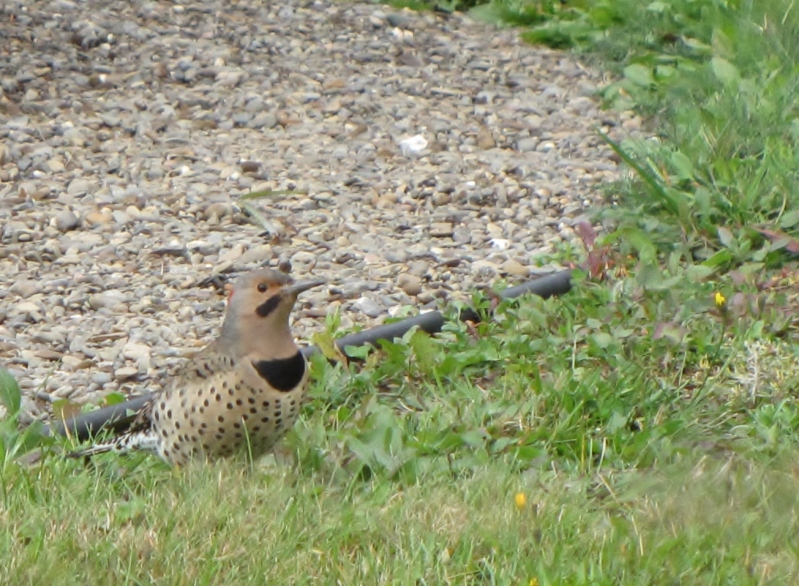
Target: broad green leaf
{"points": [[9, 393], [472, 438], [602, 339], [696, 45], [722, 45], [789, 219], [704, 201], [360, 352], [602, 17], [722, 257], [616, 422], [487, 13], [499, 445], [726, 237], [664, 72], [425, 349], [794, 128], [658, 7], [699, 272], [64, 409], [649, 275], [725, 72], [327, 345], [620, 333], [528, 453], [114, 399], [683, 165], [639, 74], [641, 241]]}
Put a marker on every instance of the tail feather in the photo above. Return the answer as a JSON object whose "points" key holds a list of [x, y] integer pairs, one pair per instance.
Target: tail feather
{"points": [[137, 440], [92, 451], [139, 436]]}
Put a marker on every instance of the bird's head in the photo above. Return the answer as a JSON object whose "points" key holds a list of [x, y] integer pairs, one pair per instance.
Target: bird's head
{"points": [[259, 305]]}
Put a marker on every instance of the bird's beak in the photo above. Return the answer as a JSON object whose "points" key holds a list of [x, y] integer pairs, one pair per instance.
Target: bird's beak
{"points": [[297, 288]]}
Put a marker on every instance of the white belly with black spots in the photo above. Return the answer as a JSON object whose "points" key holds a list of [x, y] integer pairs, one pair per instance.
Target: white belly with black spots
{"points": [[238, 412]]}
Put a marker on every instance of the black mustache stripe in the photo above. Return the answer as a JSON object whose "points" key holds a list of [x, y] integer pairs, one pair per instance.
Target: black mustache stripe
{"points": [[282, 374], [269, 305]]}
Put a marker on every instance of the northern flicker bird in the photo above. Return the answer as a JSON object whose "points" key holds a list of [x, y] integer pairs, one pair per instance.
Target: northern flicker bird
{"points": [[241, 393]]}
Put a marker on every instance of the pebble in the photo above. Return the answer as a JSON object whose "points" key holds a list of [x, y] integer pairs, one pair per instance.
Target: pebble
{"points": [[303, 261], [125, 372], [79, 186], [66, 221], [28, 308], [418, 268], [513, 267], [113, 300], [96, 218], [135, 351], [527, 144], [410, 284], [369, 307], [25, 288], [483, 270], [101, 378], [485, 140], [441, 229], [396, 256], [256, 255], [123, 213]]}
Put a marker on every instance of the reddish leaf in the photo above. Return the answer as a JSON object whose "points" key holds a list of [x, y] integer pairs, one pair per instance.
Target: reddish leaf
{"points": [[791, 244], [670, 331], [586, 233]]}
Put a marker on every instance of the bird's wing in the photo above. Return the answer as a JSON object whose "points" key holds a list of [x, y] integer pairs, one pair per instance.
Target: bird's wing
{"points": [[204, 365]]}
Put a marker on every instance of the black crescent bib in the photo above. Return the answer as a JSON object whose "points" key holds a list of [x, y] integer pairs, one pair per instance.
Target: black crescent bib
{"points": [[282, 374]]}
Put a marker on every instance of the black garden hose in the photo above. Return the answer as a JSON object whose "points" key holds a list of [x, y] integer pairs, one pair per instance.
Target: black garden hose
{"points": [[119, 416]]}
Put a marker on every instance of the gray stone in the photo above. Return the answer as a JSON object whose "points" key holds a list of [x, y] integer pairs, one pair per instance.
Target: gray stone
{"points": [[410, 284], [527, 144], [126, 372], [418, 268], [113, 300], [368, 307], [66, 221], [513, 267], [25, 288]]}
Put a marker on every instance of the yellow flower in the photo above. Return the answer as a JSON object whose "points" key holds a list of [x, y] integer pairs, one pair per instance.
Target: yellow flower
{"points": [[521, 500], [720, 299], [533, 581]]}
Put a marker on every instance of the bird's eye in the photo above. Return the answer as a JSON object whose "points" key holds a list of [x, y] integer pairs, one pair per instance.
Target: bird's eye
{"points": [[262, 287]]}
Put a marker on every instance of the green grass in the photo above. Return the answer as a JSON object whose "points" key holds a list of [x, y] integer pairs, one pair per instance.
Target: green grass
{"points": [[642, 429], [719, 79], [716, 522]]}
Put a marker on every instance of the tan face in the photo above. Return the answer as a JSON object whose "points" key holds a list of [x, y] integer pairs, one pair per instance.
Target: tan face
{"points": [[266, 293]]}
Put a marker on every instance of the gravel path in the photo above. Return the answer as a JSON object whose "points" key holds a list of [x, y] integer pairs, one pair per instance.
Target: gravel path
{"points": [[422, 155]]}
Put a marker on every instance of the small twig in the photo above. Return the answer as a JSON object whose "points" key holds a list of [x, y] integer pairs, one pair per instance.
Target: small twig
{"points": [[270, 193], [259, 218]]}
